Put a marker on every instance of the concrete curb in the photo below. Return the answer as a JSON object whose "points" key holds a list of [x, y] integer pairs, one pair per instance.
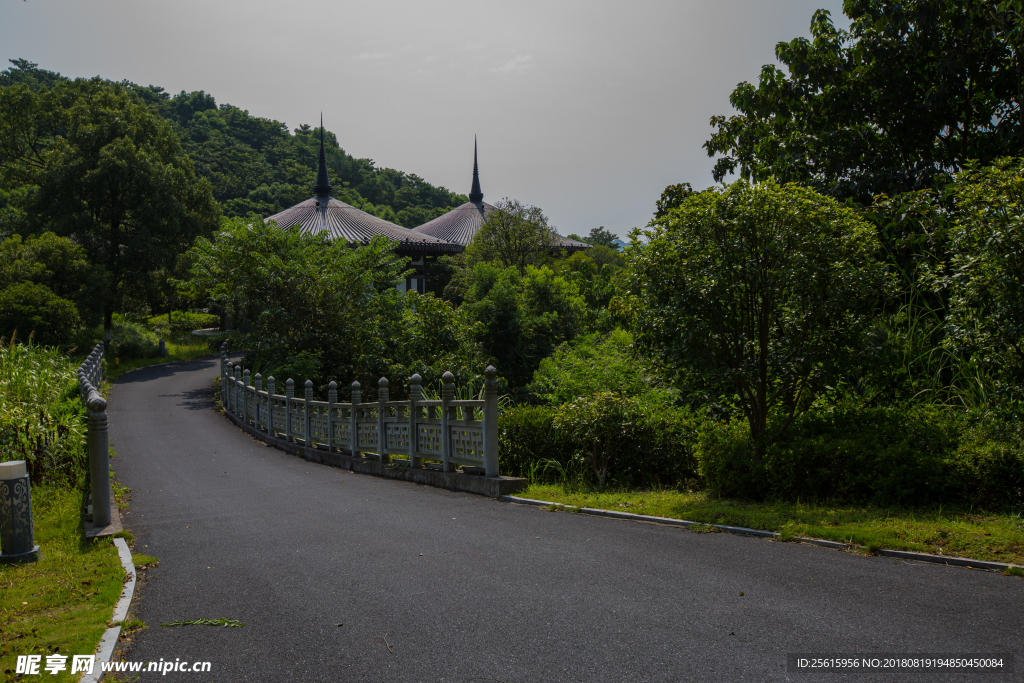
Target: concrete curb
{"points": [[105, 650], [743, 531]]}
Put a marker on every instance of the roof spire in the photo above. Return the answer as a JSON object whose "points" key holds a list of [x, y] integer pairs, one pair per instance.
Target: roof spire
{"points": [[475, 195], [323, 181]]}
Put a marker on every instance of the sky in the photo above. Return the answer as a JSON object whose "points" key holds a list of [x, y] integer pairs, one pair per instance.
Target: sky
{"points": [[587, 110]]}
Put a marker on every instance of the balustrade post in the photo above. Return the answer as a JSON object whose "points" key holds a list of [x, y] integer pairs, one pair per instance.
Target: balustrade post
{"points": [[447, 394], [289, 396], [382, 428], [307, 407], [99, 459], [235, 389], [491, 422], [415, 395], [256, 400], [354, 420], [223, 374], [270, 406], [332, 400], [245, 397]]}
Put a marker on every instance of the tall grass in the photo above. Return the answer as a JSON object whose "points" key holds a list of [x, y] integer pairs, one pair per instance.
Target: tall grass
{"points": [[42, 420]]}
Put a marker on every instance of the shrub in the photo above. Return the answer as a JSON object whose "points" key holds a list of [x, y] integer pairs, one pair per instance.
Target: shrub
{"points": [[621, 440], [132, 340], [42, 419], [597, 362], [30, 308], [183, 322], [893, 455]]}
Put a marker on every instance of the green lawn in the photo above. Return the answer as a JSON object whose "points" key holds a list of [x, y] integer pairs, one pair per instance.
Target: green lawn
{"points": [[62, 603], [960, 533]]}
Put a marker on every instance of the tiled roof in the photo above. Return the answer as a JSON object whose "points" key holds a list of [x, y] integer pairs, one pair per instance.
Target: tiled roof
{"points": [[344, 221], [462, 223]]}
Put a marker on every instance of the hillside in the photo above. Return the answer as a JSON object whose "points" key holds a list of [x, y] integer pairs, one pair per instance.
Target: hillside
{"points": [[258, 165]]}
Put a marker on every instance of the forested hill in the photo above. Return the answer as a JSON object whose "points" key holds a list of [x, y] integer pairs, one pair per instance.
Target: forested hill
{"points": [[258, 165]]}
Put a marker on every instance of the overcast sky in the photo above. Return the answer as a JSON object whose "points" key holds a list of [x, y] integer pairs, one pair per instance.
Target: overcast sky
{"points": [[585, 109]]}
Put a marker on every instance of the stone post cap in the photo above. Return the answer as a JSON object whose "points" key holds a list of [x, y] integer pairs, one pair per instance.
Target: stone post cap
{"points": [[416, 379], [355, 385], [447, 377], [13, 469], [490, 372], [309, 384], [270, 379], [383, 383], [96, 403], [246, 372], [333, 385], [290, 382], [258, 376]]}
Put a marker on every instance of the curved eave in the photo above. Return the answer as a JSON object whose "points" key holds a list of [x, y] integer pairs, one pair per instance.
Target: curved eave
{"points": [[343, 221]]}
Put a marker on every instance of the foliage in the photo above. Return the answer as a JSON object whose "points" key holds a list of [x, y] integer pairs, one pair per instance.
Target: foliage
{"points": [[646, 444], [985, 281], [58, 264], [42, 419], [256, 165], [132, 340], [522, 318], [514, 234], [756, 293], [910, 455], [108, 172], [902, 99], [300, 294], [595, 363], [598, 237], [182, 322], [34, 310]]}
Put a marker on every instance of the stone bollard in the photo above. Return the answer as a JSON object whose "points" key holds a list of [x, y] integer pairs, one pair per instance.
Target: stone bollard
{"points": [[17, 537], [258, 386], [99, 460]]}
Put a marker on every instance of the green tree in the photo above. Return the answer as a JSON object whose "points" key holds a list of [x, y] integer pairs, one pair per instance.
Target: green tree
{"points": [[898, 102], [598, 237], [308, 301], [514, 235], [757, 292], [58, 264], [109, 173], [985, 282]]}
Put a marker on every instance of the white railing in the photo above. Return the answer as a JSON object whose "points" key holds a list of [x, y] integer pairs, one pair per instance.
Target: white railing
{"points": [[446, 430]]}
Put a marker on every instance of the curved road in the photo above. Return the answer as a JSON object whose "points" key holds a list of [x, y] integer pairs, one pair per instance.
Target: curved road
{"points": [[347, 577]]}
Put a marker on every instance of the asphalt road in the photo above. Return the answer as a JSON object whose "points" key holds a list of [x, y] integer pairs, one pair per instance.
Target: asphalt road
{"points": [[347, 577]]}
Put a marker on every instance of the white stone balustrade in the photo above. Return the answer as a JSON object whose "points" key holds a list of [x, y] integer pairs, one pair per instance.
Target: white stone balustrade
{"points": [[453, 432]]}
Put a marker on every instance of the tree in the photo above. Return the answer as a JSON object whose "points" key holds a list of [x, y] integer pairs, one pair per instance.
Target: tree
{"points": [[108, 172], [756, 292], [308, 301], [900, 101], [985, 282], [514, 235], [598, 237]]}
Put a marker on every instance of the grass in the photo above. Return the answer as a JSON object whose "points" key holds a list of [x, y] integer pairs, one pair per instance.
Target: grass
{"points": [[960, 533], [182, 348], [62, 603]]}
